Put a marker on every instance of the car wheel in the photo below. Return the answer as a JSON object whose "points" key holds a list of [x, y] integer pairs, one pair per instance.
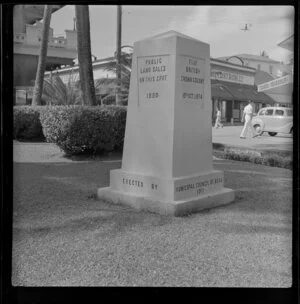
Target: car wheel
{"points": [[272, 133], [258, 129]]}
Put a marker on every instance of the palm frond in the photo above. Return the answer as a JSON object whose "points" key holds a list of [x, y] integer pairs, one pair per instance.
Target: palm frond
{"points": [[57, 92]]}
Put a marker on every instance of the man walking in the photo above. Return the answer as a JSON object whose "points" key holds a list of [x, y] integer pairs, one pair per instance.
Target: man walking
{"points": [[218, 119], [247, 117]]}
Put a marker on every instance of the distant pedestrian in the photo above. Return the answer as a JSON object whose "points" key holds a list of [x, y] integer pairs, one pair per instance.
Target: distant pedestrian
{"points": [[218, 119], [247, 117]]}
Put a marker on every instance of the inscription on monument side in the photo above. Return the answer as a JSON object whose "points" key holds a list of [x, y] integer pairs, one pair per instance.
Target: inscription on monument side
{"points": [[191, 77], [199, 187], [152, 76]]}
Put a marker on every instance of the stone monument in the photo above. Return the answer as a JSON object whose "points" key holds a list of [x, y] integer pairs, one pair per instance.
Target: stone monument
{"points": [[167, 155]]}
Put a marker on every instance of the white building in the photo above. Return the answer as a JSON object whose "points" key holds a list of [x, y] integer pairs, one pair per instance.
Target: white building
{"points": [[27, 40], [261, 63], [281, 89]]}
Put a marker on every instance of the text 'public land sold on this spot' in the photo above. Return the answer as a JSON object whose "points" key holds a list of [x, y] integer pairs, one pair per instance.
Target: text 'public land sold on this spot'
{"points": [[152, 75]]}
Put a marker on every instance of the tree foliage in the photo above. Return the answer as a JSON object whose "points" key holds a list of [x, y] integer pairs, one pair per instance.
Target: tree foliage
{"points": [[56, 92]]}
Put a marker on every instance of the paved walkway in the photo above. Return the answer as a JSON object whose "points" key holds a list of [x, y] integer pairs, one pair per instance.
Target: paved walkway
{"points": [[230, 135], [28, 152]]}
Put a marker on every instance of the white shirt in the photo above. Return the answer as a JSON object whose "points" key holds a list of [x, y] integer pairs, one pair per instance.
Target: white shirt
{"points": [[248, 110]]}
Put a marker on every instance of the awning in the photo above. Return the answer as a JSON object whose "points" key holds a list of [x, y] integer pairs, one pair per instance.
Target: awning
{"points": [[219, 92], [242, 92], [264, 98]]}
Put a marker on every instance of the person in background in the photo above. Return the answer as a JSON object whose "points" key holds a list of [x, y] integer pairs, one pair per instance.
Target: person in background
{"points": [[247, 118], [218, 119]]}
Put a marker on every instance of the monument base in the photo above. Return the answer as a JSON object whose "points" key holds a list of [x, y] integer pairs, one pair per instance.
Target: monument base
{"points": [[175, 208], [175, 196]]}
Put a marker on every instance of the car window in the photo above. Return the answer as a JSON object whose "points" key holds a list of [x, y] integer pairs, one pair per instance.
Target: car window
{"points": [[262, 112], [269, 112], [279, 112], [289, 112]]}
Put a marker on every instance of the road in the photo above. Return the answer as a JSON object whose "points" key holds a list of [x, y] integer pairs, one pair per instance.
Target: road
{"points": [[230, 135]]}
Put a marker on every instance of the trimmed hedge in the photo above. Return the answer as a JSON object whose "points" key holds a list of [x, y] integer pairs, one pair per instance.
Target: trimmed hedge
{"points": [[27, 124], [273, 159], [84, 129]]}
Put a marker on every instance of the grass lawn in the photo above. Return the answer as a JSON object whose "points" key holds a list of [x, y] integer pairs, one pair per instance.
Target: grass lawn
{"points": [[63, 236]]}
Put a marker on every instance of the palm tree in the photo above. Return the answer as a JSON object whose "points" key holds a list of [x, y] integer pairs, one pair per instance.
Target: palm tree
{"points": [[85, 55], [125, 68], [38, 87], [56, 92], [118, 54]]}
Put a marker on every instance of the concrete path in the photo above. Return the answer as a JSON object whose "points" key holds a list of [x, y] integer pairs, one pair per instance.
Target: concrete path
{"points": [[31, 152]]}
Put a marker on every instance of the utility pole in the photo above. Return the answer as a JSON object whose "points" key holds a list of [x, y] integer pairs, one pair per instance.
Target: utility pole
{"points": [[118, 54]]}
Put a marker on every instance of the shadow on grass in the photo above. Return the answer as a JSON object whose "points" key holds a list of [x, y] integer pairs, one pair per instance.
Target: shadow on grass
{"points": [[107, 222], [239, 229]]}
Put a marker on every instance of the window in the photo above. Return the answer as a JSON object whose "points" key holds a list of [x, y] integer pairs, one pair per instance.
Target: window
{"points": [[258, 67], [279, 112], [271, 69], [269, 112], [289, 112], [262, 112]]}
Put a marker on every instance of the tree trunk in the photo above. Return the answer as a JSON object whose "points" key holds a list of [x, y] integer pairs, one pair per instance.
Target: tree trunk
{"points": [[85, 55], [118, 55], [39, 80]]}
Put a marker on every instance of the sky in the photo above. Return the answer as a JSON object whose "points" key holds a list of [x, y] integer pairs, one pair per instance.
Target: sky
{"points": [[220, 26]]}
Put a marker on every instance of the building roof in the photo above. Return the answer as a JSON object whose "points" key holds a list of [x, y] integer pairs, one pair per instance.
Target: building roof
{"points": [[35, 13], [262, 77], [234, 65], [287, 43], [251, 57]]}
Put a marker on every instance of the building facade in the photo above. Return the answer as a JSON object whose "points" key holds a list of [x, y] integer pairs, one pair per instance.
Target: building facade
{"points": [[281, 89], [232, 86], [27, 39], [260, 63]]}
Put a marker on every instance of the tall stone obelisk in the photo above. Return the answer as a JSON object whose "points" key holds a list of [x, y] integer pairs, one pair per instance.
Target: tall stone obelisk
{"points": [[167, 157]]}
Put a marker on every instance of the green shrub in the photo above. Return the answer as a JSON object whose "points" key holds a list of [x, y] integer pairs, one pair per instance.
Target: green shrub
{"points": [[27, 123], [84, 129], [242, 155], [109, 100], [278, 159]]}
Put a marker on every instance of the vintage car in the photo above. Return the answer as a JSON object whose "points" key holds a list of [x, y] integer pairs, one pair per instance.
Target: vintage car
{"points": [[273, 120]]}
